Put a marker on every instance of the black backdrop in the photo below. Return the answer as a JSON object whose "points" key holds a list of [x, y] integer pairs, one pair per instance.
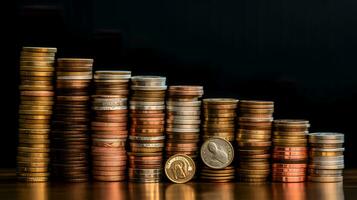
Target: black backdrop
{"points": [[301, 54]]}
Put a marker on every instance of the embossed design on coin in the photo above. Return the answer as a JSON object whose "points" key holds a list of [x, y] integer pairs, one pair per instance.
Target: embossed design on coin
{"points": [[217, 153], [180, 168]]}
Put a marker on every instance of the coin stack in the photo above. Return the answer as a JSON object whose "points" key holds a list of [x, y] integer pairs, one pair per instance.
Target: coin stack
{"points": [[217, 155], [254, 140], [219, 120], [109, 125], [147, 119], [183, 110], [35, 111], [290, 150], [69, 138], [326, 161]]}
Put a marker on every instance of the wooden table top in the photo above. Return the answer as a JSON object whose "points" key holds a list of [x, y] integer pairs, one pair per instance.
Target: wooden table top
{"points": [[10, 189]]}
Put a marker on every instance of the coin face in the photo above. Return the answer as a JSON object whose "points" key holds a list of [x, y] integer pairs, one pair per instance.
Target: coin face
{"points": [[217, 153], [180, 168]]}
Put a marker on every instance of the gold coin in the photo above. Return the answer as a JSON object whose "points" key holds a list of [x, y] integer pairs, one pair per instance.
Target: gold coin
{"points": [[180, 168], [23, 169], [40, 49]]}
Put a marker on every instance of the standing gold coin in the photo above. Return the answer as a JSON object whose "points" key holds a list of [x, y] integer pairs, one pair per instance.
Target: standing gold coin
{"points": [[217, 153], [180, 168]]}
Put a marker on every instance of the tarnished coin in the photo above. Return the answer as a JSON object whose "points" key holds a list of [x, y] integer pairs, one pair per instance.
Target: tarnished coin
{"points": [[180, 168], [217, 153]]}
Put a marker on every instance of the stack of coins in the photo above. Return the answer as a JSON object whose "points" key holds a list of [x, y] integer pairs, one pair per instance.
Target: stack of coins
{"points": [[290, 150], [69, 138], [219, 121], [254, 140], [183, 110], [109, 125], [326, 161], [35, 111], [219, 118], [147, 119], [217, 155]]}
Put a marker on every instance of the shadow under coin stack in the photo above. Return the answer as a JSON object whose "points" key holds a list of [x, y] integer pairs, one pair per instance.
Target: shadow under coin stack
{"points": [[109, 125], [254, 140], [219, 121], [69, 138], [183, 111], [35, 111], [326, 161], [290, 150], [147, 120]]}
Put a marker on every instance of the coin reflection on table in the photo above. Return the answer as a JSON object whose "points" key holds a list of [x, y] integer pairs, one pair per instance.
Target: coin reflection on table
{"points": [[291, 191], [326, 191], [180, 192], [110, 190], [147, 191], [216, 191], [38, 191], [253, 190]]}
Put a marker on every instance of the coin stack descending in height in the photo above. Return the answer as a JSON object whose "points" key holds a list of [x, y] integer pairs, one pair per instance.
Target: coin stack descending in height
{"points": [[290, 150], [69, 137], [219, 121], [147, 119], [35, 111], [254, 140], [326, 161], [109, 125], [183, 111]]}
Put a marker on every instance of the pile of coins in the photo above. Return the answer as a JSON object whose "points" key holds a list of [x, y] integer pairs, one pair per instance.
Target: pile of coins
{"points": [[147, 120], [217, 154], [109, 125], [69, 137], [254, 140], [35, 111], [326, 161], [290, 150], [183, 111]]}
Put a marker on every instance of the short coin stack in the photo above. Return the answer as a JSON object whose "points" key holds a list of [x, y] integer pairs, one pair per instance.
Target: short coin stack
{"points": [[217, 154], [69, 137], [290, 150], [183, 111], [254, 140], [35, 111], [326, 161], [109, 125], [147, 119]]}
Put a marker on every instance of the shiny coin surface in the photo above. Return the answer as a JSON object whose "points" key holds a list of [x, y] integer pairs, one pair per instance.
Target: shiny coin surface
{"points": [[217, 153]]}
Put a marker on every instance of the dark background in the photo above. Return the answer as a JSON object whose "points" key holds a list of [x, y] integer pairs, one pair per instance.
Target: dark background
{"points": [[301, 54]]}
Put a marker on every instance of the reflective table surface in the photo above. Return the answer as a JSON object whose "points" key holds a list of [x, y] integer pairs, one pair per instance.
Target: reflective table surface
{"points": [[10, 189]]}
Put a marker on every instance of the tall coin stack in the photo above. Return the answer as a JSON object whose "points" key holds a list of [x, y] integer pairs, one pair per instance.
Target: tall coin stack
{"points": [[326, 161], [254, 140], [35, 111], [183, 111], [147, 119], [69, 138], [290, 150], [109, 125], [219, 116]]}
